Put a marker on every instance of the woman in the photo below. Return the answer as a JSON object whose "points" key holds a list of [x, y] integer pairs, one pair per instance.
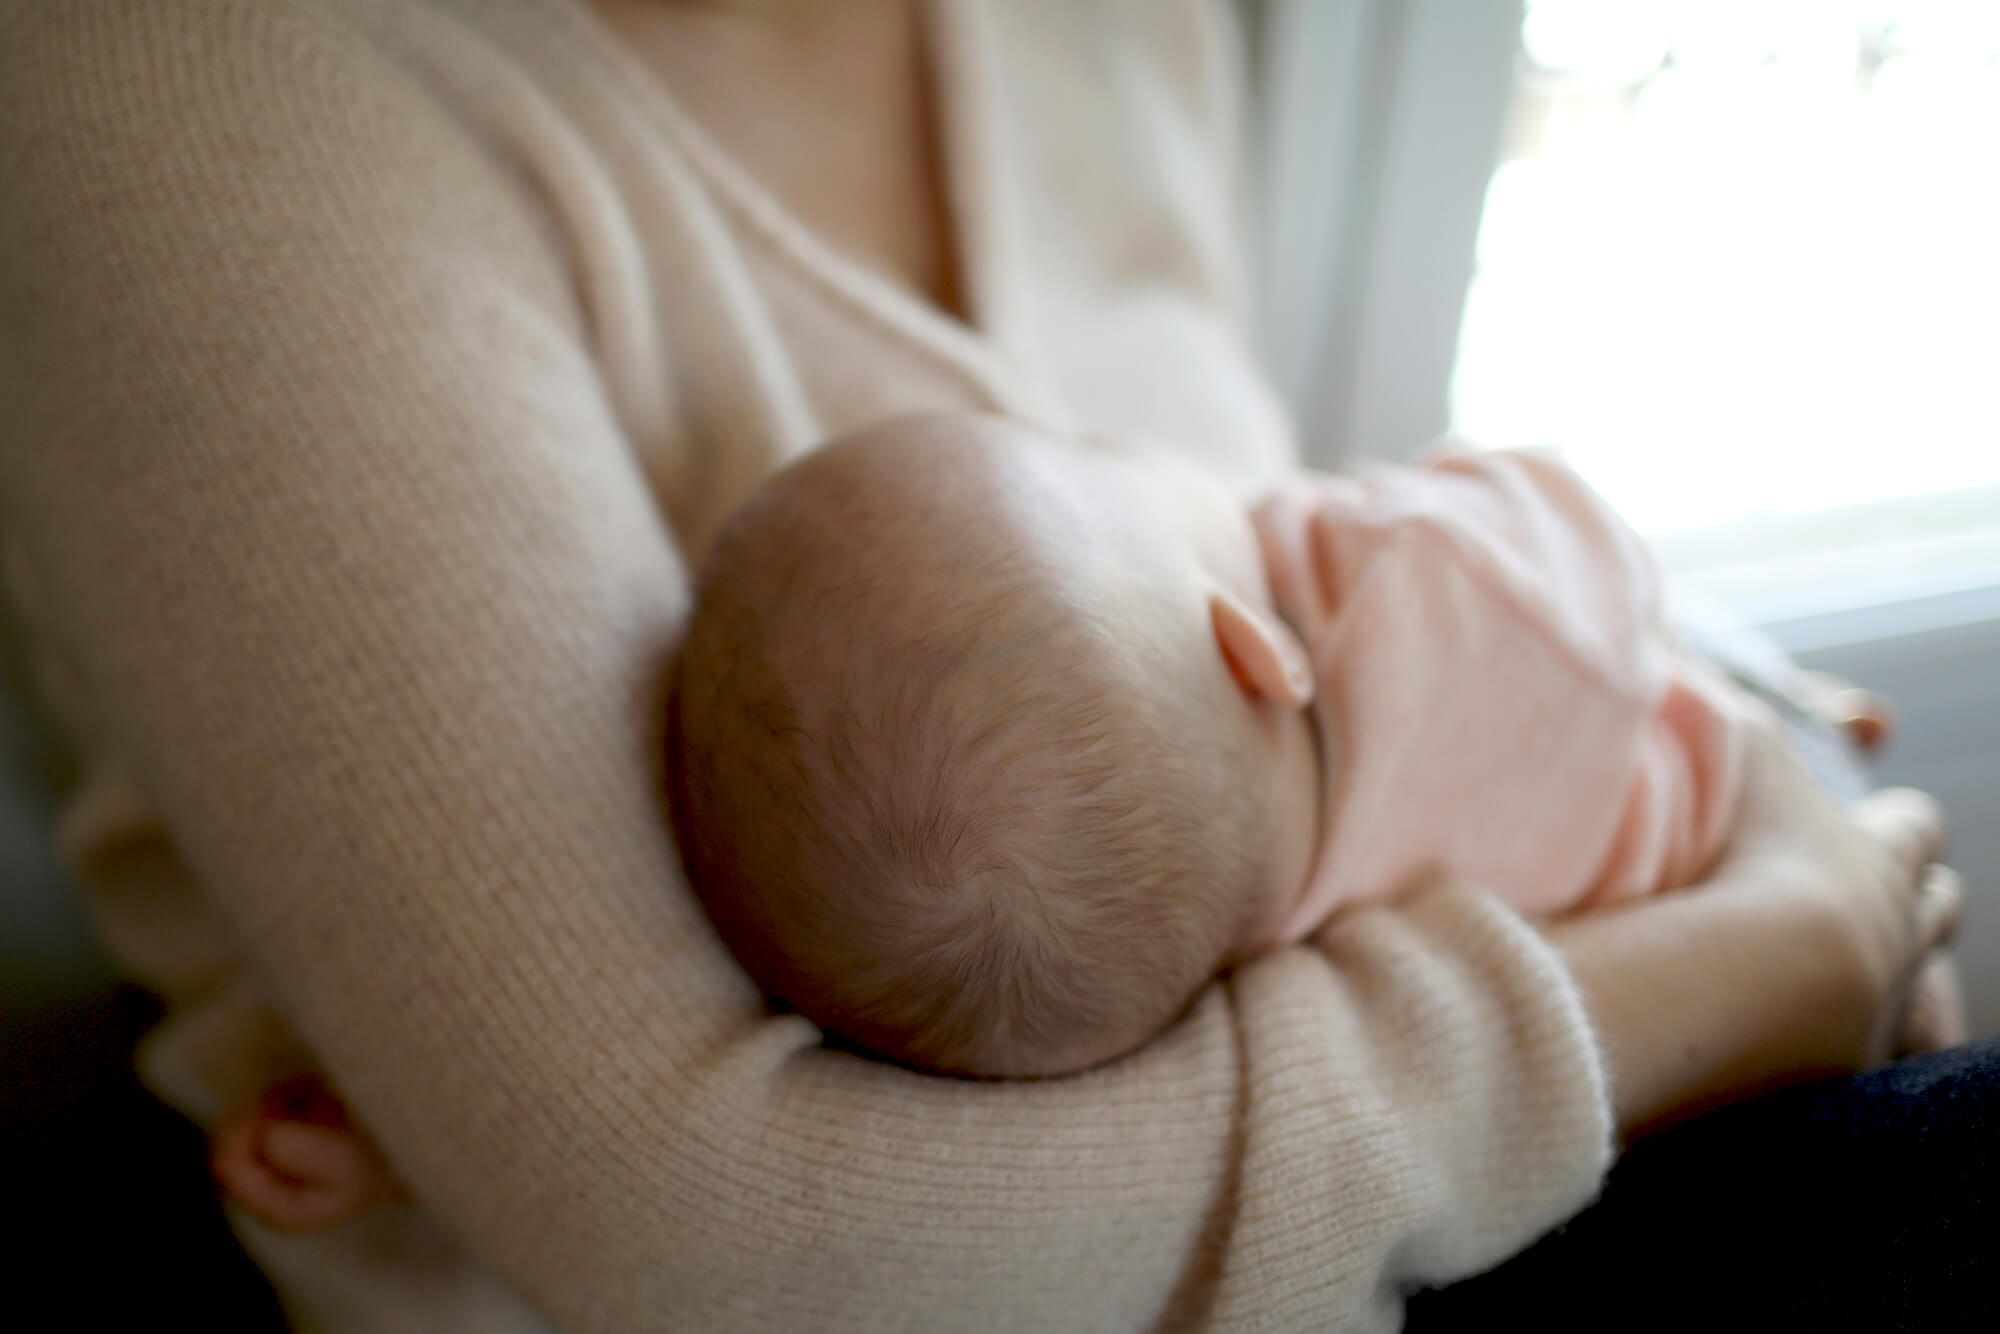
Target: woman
{"points": [[377, 373]]}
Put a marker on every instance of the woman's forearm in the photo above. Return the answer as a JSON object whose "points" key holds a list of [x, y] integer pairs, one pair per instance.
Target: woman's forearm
{"points": [[1704, 997], [1788, 963]]}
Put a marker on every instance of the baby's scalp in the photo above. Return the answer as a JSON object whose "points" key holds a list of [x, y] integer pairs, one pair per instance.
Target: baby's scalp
{"points": [[943, 778]]}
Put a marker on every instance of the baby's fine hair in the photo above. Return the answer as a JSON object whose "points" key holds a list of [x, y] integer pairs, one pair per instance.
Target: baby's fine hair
{"points": [[937, 805]]}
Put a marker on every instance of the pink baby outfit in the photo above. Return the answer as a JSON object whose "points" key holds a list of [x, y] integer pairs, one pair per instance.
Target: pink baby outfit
{"points": [[1497, 692]]}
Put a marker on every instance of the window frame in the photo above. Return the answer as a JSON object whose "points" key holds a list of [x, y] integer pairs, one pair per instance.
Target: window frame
{"points": [[1377, 128]]}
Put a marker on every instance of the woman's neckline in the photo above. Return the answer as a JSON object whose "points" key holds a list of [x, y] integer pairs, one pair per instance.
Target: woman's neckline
{"points": [[961, 139]]}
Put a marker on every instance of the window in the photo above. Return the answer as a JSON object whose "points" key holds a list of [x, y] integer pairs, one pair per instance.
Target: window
{"points": [[1740, 260]]}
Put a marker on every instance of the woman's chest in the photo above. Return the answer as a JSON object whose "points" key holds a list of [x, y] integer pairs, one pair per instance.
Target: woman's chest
{"points": [[743, 308], [832, 109]]}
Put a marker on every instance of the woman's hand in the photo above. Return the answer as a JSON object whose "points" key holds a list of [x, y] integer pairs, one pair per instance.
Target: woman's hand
{"points": [[1794, 960], [1871, 865], [1933, 1017]]}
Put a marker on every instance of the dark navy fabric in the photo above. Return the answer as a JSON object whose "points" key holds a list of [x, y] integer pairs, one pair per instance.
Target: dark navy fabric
{"points": [[1869, 1203]]}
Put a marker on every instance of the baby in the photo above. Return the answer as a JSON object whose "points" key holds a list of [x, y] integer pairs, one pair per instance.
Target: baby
{"points": [[988, 750]]}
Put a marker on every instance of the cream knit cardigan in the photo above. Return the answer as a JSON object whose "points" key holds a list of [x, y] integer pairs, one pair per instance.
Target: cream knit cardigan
{"points": [[373, 376]]}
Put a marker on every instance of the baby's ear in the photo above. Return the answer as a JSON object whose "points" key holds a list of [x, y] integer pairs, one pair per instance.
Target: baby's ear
{"points": [[1262, 652]]}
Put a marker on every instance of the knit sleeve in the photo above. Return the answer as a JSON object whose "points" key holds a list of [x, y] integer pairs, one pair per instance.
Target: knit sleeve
{"points": [[306, 447]]}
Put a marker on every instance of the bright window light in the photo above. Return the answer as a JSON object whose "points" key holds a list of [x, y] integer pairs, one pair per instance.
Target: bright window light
{"points": [[1741, 262]]}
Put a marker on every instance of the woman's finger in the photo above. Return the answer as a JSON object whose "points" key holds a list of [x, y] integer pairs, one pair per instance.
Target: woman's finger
{"points": [[1909, 822], [1940, 907], [1934, 1017]]}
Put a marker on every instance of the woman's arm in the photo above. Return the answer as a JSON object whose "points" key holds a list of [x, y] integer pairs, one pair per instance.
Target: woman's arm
{"points": [[1793, 961], [306, 444]]}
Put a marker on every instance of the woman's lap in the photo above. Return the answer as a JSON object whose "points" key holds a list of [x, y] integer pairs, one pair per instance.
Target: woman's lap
{"points": [[1866, 1203]]}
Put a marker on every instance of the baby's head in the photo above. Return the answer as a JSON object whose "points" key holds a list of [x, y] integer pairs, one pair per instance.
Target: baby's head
{"points": [[989, 750]]}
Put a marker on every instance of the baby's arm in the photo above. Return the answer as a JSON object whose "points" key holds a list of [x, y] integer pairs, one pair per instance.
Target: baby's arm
{"points": [[1581, 579], [295, 1160], [1491, 652]]}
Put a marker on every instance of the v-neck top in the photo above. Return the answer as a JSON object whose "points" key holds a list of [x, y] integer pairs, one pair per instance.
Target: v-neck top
{"points": [[375, 374], [1072, 313], [949, 41]]}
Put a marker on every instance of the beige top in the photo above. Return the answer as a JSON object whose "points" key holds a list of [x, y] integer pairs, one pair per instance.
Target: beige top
{"points": [[373, 375]]}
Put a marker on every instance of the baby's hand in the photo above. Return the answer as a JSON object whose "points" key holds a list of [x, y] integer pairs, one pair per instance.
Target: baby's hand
{"points": [[296, 1161], [1865, 716]]}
